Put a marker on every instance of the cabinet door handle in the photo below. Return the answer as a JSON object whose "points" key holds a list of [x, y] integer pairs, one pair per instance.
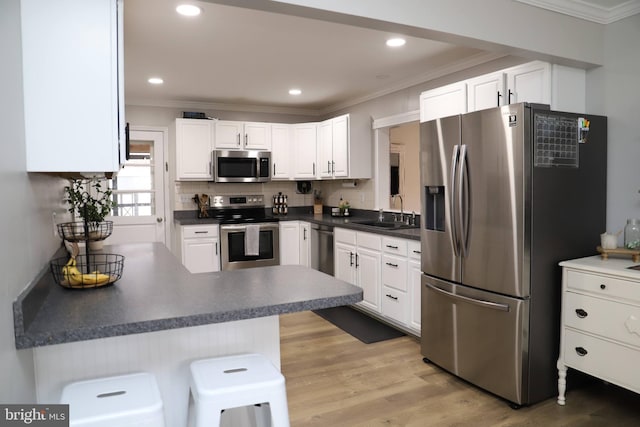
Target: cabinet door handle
{"points": [[216, 248], [392, 297], [304, 234], [238, 139], [603, 286], [392, 264], [314, 168], [581, 313], [357, 265], [350, 259], [246, 139], [499, 96], [392, 247], [509, 96], [333, 168], [581, 351], [274, 169], [328, 166]]}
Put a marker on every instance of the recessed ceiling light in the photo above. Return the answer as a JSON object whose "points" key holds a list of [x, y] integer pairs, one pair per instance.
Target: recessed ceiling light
{"points": [[188, 10], [155, 81], [397, 42], [295, 91]]}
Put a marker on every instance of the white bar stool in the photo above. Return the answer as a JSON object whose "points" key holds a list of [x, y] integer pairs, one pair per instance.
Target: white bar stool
{"points": [[234, 381], [123, 401]]}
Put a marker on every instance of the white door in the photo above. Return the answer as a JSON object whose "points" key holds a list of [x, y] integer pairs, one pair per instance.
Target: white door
{"points": [[139, 191]]}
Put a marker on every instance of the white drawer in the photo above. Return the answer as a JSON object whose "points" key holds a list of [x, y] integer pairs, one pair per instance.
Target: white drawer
{"points": [[394, 304], [604, 285], [394, 246], [369, 240], [189, 231], [414, 249], [394, 272], [345, 236], [609, 319], [606, 360]]}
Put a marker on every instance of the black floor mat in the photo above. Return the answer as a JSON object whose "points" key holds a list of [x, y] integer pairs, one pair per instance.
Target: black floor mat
{"points": [[359, 325]]}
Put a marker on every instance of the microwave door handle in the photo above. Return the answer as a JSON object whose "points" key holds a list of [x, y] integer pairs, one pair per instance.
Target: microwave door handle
{"points": [[453, 234]]}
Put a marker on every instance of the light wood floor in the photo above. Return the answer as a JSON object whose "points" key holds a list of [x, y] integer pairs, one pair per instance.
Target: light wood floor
{"points": [[335, 380]]}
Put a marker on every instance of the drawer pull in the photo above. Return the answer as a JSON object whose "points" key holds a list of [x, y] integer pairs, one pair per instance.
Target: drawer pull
{"points": [[201, 232], [581, 351], [417, 252], [392, 246], [392, 297], [602, 286], [581, 313], [392, 264]]}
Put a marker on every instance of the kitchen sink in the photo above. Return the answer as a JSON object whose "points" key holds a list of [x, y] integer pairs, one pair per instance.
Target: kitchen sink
{"points": [[385, 224]]}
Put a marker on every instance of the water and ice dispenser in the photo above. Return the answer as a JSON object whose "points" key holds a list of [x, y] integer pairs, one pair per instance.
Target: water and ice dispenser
{"points": [[434, 207]]}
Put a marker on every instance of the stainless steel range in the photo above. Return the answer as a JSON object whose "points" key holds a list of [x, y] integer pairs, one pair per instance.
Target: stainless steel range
{"points": [[249, 237]]}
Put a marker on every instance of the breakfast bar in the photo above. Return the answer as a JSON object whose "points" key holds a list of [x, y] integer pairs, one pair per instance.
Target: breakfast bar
{"points": [[158, 318]]}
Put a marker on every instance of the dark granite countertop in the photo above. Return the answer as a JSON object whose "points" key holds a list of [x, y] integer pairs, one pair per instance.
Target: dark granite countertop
{"points": [[351, 222], [156, 293]]}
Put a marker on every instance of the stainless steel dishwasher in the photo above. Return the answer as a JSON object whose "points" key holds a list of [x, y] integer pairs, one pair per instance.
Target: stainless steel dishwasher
{"points": [[322, 248]]}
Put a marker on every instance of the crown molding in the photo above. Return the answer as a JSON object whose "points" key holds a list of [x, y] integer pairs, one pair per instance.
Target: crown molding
{"points": [[588, 11]]}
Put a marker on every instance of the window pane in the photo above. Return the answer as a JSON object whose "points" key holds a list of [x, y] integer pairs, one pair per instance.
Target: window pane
{"points": [[133, 186]]}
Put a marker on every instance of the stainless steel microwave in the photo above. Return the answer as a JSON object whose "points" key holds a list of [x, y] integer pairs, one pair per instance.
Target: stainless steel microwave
{"points": [[241, 166]]}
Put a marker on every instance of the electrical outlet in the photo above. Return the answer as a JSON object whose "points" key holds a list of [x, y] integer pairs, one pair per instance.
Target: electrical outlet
{"points": [[362, 197]]}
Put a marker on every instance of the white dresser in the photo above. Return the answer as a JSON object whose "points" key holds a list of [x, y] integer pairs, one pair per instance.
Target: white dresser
{"points": [[600, 323]]}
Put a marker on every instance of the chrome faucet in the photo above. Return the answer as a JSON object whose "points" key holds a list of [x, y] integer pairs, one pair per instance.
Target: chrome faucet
{"points": [[401, 207]]}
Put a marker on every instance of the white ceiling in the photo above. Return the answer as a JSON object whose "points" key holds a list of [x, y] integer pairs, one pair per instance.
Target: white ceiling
{"points": [[230, 56]]}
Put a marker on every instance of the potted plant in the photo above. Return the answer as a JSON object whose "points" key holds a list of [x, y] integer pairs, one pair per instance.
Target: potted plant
{"points": [[91, 202]]}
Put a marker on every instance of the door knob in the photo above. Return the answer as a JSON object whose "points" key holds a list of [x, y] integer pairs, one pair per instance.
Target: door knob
{"points": [[159, 219]]}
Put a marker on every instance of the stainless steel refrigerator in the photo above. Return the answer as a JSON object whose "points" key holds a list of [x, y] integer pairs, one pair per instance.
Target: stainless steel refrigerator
{"points": [[507, 193]]}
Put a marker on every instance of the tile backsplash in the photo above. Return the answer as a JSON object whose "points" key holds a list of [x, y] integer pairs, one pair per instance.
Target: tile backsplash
{"points": [[359, 197]]}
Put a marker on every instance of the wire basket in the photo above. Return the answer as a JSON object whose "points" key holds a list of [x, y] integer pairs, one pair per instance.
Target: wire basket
{"points": [[93, 272], [75, 231]]}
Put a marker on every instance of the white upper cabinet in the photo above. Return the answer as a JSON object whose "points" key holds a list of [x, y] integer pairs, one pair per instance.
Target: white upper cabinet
{"points": [[486, 91], [281, 152], [73, 85], [443, 101], [529, 83], [563, 88], [333, 147], [193, 149], [303, 139], [232, 135]]}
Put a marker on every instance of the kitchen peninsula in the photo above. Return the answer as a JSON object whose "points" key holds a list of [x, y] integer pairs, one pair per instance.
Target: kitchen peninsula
{"points": [[158, 318]]}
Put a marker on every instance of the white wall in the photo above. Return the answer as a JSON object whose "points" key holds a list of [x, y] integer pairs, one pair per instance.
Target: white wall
{"points": [[26, 223], [614, 90]]}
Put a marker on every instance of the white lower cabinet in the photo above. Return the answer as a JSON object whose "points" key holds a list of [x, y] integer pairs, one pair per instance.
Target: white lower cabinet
{"points": [[295, 243], [200, 248], [388, 271], [357, 260], [414, 275], [600, 323]]}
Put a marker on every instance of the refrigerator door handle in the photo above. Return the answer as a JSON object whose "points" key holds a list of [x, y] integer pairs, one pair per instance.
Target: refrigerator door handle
{"points": [[453, 232], [481, 303], [463, 202]]}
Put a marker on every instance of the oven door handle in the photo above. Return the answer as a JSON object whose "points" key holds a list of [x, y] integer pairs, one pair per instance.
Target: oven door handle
{"points": [[273, 225]]}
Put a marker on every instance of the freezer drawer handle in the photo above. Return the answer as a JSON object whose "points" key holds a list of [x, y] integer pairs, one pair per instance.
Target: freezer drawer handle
{"points": [[581, 313], [581, 351], [481, 303]]}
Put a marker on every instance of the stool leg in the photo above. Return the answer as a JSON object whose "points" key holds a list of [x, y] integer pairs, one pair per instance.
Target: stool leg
{"points": [[207, 416], [279, 410]]}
